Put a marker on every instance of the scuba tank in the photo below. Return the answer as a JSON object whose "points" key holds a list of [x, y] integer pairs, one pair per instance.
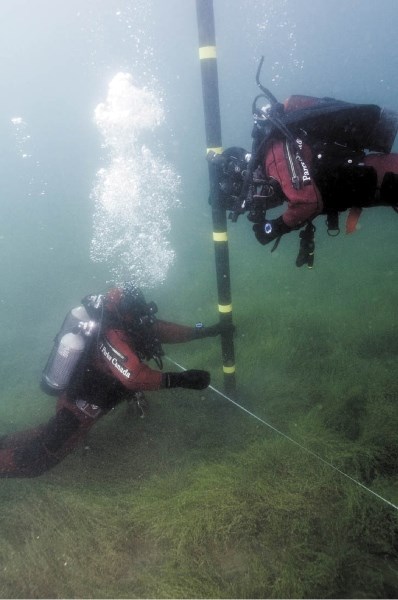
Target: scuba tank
{"points": [[70, 344]]}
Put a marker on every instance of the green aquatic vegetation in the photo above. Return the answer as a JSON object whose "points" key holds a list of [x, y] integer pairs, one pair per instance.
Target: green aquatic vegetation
{"points": [[379, 345], [314, 434], [283, 522], [379, 431], [56, 545], [346, 414], [186, 505]]}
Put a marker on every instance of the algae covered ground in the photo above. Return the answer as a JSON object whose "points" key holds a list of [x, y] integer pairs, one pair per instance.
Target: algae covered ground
{"points": [[200, 499]]}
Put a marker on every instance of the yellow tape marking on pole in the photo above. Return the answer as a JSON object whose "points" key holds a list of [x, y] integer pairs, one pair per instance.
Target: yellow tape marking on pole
{"points": [[217, 150], [225, 308], [228, 370], [207, 52], [220, 236]]}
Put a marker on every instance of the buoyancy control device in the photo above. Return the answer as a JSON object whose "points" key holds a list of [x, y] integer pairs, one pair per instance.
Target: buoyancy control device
{"points": [[70, 345]]}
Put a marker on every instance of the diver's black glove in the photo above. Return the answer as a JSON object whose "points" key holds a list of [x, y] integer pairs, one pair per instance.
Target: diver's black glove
{"points": [[270, 230], [193, 379], [212, 330]]}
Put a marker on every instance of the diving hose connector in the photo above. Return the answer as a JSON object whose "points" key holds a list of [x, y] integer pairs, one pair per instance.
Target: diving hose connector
{"points": [[69, 347]]}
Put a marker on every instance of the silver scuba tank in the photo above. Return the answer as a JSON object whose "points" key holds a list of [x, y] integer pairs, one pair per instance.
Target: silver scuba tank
{"points": [[68, 349]]}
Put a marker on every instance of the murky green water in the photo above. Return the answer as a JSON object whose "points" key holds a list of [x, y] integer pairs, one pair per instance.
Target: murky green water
{"points": [[200, 498]]}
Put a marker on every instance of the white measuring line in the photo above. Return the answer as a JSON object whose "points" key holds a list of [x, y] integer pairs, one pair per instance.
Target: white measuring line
{"points": [[314, 454]]}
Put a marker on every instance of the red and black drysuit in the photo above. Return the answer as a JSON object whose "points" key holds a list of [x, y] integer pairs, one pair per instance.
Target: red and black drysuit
{"points": [[109, 375], [326, 170]]}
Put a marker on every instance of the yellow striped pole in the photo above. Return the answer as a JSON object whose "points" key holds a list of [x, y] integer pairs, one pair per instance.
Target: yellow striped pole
{"points": [[208, 65]]}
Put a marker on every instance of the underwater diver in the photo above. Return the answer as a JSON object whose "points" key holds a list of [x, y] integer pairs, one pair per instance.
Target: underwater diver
{"points": [[318, 155], [96, 363]]}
